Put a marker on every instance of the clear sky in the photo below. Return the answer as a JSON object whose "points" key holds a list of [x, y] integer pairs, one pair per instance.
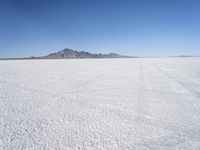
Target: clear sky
{"points": [[131, 27]]}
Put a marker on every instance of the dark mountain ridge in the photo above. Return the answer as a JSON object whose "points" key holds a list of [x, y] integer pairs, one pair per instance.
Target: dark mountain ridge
{"points": [[69, 53], [72, 54]]}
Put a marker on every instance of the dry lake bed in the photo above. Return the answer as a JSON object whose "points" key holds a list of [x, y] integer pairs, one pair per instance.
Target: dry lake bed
{"points": [[136, 103]]}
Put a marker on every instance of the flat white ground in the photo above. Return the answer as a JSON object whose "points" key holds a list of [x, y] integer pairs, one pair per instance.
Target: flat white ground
{"points": [[149, 103]]}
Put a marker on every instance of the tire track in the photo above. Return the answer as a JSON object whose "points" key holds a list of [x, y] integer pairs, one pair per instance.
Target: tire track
{"points": [[57, 95], [178, 80], [97, 77]]}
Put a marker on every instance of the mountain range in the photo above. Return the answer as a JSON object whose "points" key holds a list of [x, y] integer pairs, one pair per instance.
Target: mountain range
{"points": [[72, 54], [69, 54]]}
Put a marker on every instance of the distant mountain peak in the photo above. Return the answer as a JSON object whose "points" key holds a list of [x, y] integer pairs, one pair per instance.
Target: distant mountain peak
{"points": [[70, 53]]}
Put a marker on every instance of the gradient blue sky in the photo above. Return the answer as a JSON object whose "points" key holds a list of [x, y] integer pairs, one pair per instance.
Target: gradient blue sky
{"points": [[131, 27]]}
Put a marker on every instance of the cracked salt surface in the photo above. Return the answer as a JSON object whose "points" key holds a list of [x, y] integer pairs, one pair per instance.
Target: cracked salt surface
{"points": [[145, 103]]}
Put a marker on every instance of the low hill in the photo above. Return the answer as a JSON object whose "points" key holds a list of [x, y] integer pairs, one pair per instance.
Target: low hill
{"points": [[69, 53]]}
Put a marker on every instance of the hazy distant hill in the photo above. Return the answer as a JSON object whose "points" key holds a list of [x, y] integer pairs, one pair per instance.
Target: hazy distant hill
{"points": [[69, 53]]}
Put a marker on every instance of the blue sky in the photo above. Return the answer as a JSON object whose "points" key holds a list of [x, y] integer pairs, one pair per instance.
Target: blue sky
{"points": [[131, 27]]}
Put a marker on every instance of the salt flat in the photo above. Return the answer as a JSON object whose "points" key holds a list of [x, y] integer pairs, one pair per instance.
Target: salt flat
{"points": [[141, 103]]}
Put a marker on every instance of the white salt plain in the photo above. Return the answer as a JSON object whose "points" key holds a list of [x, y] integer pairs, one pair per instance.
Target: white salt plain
{"points": [[140, 103]]}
